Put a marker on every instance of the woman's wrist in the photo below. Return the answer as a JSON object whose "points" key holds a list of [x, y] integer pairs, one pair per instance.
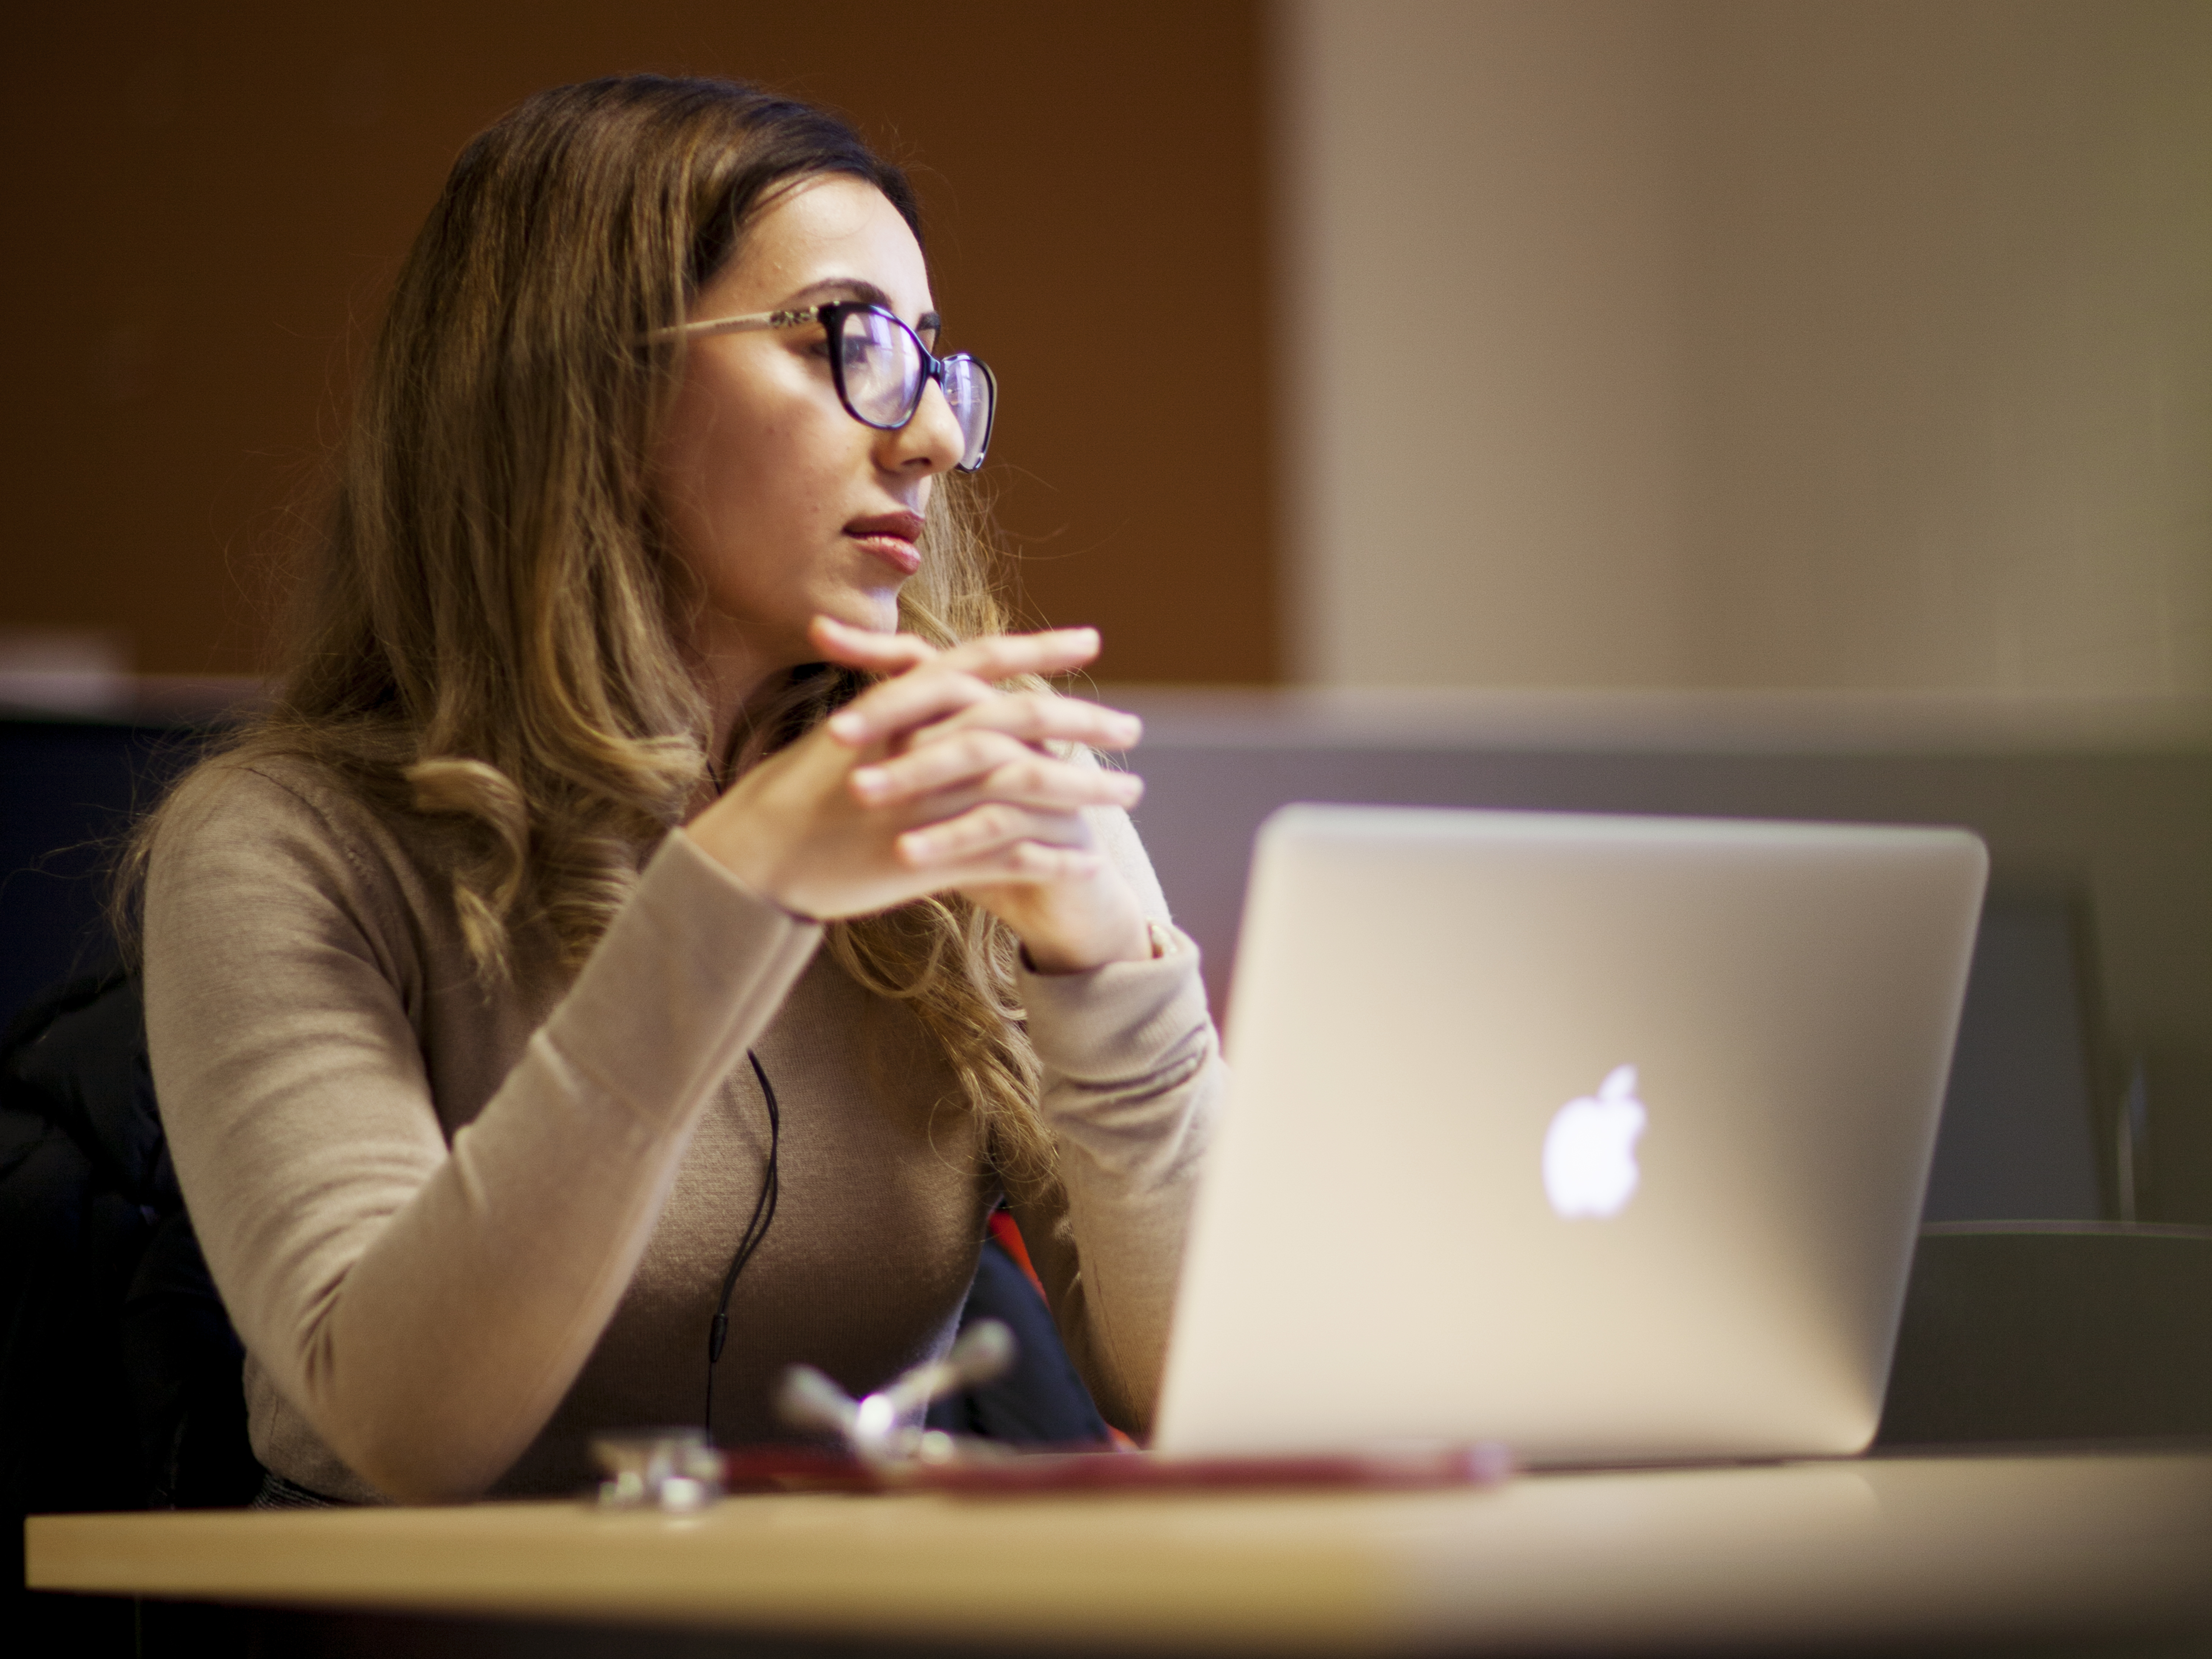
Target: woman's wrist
{"points": [[1139, 944], [739, 854]]}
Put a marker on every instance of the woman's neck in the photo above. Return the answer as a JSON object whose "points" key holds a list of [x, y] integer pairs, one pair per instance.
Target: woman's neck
{"points": [[738, 677]]}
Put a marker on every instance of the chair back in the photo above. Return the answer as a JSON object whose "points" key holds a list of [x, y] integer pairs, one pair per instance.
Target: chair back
{"points": [[2054, 1331]]}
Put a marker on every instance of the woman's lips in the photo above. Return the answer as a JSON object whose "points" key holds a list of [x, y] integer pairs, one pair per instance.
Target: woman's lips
{"points": [[891, 537]]}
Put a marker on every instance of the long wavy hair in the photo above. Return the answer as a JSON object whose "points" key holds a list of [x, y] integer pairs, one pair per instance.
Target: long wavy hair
{"points": [[490, 630]]}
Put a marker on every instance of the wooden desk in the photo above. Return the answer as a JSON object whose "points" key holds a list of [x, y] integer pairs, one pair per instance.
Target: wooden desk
{"points": [[1886, 1549]]}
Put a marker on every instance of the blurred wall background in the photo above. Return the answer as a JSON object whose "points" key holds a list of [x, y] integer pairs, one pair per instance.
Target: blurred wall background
{"points": [[1732, 343], [205, 204], [1626, 383], [1595, 343]]}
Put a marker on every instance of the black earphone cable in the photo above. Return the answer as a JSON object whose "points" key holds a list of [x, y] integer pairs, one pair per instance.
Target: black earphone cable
{"points": [[718, 1332]]}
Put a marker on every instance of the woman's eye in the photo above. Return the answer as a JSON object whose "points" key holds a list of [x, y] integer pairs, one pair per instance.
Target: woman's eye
{"points": [[858, 350]]}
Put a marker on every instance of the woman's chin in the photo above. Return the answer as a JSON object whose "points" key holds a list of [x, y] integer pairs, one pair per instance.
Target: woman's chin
{"points": [[873, 612]]}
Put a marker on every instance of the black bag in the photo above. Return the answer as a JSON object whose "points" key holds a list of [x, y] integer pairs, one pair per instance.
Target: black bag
{"points": [[1042, 1400], [119, 1373]]}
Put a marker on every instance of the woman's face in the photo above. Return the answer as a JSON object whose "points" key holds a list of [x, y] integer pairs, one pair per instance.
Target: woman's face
{"points": [[782, 504]]}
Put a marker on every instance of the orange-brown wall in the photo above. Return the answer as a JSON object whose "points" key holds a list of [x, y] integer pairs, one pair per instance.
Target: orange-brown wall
{"points": [[203, 210]]}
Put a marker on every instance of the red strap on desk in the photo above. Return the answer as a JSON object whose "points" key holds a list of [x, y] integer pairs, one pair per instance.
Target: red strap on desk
{"points": [[1483, 1464]]}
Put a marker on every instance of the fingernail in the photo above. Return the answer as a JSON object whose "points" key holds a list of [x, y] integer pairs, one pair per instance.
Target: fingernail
{"points": [[848, 726], [869, 780]]}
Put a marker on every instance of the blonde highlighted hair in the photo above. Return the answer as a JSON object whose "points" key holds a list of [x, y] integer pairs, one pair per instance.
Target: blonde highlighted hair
{"points": [[490, 628]]}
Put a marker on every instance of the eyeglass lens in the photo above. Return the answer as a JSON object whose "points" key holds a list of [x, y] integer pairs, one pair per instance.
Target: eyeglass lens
{"points": [[883, 369]]}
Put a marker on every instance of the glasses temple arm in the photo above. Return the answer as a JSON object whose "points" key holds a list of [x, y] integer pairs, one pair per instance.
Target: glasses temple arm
{"points": [[735, 324]]}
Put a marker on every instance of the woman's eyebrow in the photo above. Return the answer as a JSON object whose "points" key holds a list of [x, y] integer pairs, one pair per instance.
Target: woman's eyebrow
{"points": [[843, 288], [852, 287]]}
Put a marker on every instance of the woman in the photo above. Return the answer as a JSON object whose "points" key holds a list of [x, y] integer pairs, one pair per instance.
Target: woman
{"points": [[615, 906]]}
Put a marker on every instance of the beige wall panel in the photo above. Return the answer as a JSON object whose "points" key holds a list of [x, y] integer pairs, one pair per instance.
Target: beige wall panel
{"points": [[1953, 340], [1481, 425], [1837, 343]]}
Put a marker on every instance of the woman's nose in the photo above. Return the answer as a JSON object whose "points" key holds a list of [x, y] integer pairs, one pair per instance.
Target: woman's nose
{"points": [[932, 437]]}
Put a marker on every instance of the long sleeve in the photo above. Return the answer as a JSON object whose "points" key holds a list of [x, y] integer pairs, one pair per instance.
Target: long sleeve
{"points": [[1132, 1080], [424, 1295]]}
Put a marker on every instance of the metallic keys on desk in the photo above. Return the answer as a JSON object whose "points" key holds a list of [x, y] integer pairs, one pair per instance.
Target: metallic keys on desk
{"points": [[678, 1472], [675, 1470], [885, 1429]]}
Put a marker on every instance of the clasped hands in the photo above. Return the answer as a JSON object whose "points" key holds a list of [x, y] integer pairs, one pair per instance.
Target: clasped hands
{"points": [[933, 780]]}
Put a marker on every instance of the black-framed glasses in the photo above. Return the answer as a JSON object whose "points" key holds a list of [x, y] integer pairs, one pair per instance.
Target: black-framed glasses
{"points": [[880, 368]]}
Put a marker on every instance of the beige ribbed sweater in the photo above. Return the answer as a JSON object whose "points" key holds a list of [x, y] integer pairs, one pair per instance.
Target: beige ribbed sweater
{"points": [[459, 1231]]}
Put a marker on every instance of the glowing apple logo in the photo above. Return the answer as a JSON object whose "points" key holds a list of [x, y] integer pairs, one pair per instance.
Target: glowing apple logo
{"points": [[1589, 1151]]}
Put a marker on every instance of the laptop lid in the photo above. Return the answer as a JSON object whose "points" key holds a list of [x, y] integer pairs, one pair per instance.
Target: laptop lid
{"points": [[1603, 1136]]}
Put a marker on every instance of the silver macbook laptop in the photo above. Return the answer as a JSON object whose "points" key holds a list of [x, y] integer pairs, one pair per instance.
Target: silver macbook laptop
{"points": [[1604, 1136]]}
